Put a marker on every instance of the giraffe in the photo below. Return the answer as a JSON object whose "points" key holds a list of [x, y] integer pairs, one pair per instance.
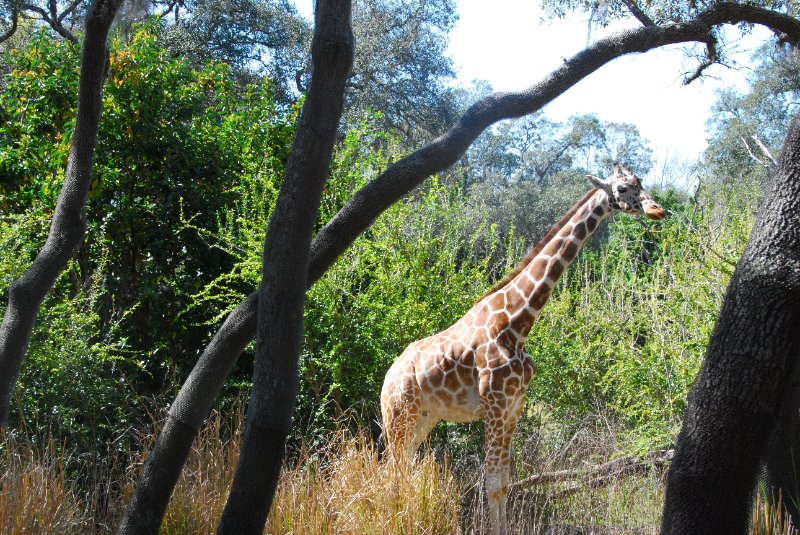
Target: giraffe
{"points": [[477, 368]]}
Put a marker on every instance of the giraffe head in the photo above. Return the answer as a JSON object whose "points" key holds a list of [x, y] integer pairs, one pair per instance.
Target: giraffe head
{"points": [[625, 193]]}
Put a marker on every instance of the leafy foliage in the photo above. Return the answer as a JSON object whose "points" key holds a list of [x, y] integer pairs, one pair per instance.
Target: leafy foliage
{"points": [[625, 333], [174, 140]]}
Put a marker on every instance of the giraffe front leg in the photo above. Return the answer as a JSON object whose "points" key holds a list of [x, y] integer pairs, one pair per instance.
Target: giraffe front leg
{"points": [[502, 394], [498, 467], [403, 419], [501, 416]]}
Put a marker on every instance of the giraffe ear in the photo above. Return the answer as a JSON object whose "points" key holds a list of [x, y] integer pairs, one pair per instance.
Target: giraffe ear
{"points": [[599, 183]]}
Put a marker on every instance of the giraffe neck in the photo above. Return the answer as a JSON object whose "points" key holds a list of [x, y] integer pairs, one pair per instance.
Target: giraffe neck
{"points": [[527, 293]]}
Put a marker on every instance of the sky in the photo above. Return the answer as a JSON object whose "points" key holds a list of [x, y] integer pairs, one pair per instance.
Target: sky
{"points": [[506, 43]]}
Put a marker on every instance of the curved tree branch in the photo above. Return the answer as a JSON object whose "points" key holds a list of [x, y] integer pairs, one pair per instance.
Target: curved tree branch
{"points": [[13, 28], [199, 392]]}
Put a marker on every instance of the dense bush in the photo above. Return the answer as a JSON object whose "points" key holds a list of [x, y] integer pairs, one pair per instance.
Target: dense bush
{"points": [[173, 140]]}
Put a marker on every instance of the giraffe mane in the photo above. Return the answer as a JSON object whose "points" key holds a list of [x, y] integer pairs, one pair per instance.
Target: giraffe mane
{"points": [[539, 246]]}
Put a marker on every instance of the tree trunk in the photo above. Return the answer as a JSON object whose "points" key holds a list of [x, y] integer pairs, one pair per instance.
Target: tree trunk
{"points": [[737, 397], [284, 275], [197, 396], [782, 461], [69, 220]]}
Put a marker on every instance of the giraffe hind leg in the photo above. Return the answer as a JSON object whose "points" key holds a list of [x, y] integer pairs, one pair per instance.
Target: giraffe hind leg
{"points": [[400, 410], [405, 424], [425, 423]]}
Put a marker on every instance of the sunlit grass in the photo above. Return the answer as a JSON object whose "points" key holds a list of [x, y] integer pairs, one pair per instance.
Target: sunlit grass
{"points": [[770, 516], [345, 489], [342, 488], [35, 496]]}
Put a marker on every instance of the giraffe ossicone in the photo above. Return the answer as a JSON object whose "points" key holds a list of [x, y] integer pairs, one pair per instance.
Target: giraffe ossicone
{"points": [[477, 367]]}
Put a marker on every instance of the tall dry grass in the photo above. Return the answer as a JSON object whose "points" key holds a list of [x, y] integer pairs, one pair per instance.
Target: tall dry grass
{"points": [[340, 488], [770, 516], [35, 494], [347, 490]]}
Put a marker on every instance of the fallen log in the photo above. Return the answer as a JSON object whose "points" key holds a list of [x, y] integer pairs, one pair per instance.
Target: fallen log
{"points": [[599, 474]]}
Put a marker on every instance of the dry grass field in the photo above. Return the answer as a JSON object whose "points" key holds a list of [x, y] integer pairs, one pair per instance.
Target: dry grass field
{"points": [[341, 488]]}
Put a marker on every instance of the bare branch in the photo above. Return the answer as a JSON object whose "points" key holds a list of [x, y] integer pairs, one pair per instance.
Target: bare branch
{"points": [[711, 57], [613, 468], [35, 9], [63, 31], [770, 165], [637, 12], [54, 22]]}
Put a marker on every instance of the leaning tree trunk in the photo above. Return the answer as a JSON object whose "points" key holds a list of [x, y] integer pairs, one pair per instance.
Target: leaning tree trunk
{"points": [[782, 461], [284, 275], [69, 220], [198, 394], [746, 375]]}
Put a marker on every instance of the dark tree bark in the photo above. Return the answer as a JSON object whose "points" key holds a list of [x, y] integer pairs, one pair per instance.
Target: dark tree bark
{"points": [[69, 220], [197, 396], [782, 461], [746, 377], [284, 275]]}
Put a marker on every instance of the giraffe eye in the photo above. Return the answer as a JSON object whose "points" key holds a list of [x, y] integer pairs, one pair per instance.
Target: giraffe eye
{"points": [[622, 189]]}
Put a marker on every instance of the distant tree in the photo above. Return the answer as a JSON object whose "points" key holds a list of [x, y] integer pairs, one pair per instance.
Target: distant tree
{"points": [[400, 68], [536, 148], [521, 172], [401, 64], [749, 127], [257, 38]]}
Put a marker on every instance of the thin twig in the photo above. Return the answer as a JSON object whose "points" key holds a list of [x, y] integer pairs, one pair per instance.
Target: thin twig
{"points": [[711, 57]]}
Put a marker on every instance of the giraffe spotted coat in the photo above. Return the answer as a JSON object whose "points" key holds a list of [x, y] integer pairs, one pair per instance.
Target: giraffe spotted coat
{"points": [[477, 367]]}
